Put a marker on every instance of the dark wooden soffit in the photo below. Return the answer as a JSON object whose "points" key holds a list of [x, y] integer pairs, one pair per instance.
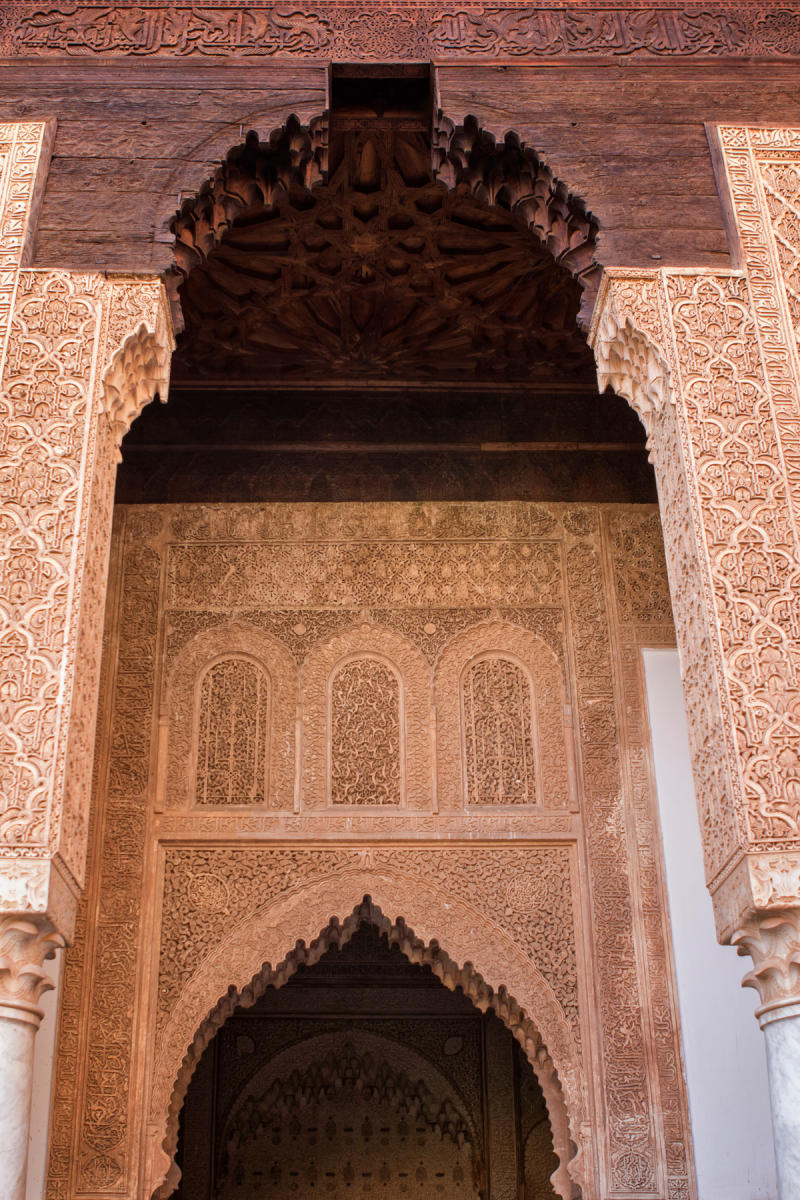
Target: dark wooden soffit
{"points": [[370, 253], [404, 29]]}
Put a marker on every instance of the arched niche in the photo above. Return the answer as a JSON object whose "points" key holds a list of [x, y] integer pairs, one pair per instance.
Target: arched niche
{"points": [[182, 711], [390, 657], [324, 1073], [461, 946], [551, 784]]}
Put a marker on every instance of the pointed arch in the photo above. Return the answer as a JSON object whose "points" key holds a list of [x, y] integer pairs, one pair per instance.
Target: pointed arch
{"points": [[477, 949]]}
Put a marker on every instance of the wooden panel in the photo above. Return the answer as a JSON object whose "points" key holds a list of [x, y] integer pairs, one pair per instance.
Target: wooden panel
{"points": [[631, 141], [629, 138]]}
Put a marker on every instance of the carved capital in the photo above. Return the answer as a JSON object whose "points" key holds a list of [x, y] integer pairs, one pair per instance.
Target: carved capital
{"points": [[138, 372], [627, 347], [24, 945], [773, 943]]}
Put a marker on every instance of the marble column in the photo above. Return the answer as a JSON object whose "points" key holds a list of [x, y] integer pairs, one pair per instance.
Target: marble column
{"points": [[25, 943], [773, 942]]}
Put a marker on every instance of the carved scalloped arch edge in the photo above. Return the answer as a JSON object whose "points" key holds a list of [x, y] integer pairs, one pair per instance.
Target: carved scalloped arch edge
{"points": [[338, 933], [294, 160]]}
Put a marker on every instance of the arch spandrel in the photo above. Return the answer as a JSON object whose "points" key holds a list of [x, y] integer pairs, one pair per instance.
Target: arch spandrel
{"points": [[474, 950]]}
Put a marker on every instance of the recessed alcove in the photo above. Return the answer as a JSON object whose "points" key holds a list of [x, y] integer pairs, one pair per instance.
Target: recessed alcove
{"points": [[364, 1075]]}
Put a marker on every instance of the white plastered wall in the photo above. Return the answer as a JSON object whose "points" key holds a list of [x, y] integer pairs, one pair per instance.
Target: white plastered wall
{"points": [[724, 1054]]}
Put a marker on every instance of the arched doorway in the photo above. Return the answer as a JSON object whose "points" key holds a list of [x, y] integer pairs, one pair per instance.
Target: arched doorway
{"points": [[384, 615], [364, 1075]]}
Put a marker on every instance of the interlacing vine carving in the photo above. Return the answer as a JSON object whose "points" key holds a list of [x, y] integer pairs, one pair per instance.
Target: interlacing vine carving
{"points": [[498, 741], [233, 733], [365, 734]]}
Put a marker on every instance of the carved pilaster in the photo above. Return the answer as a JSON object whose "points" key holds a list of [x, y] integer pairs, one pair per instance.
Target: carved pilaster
{"points": [[24, 946], [80, 354], [686, 349]]}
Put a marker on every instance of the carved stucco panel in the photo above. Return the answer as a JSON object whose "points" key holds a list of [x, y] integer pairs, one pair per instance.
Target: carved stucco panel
{"points": [[66, 333], [632, 1151], [24, 157], [99, 1106], [636, 354], [317, 675], [180, 705], [553, 731], [242, 909]]}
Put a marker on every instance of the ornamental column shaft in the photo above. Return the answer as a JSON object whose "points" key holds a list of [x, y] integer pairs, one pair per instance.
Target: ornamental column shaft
{"points": [[709, 360], [80, 354], [24, 945]]}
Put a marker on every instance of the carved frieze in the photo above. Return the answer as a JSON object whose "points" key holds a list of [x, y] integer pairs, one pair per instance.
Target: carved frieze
{"points": [[403, 30]]}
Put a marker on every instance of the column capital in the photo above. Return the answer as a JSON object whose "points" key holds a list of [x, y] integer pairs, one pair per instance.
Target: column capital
{"points": [[773, 942], [25, 942]]}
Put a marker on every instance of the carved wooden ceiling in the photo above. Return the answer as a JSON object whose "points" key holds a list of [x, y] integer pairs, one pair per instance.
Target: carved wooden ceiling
{"points": [[380, 273]]}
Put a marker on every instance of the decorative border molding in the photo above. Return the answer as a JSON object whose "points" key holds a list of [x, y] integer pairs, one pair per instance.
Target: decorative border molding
{"points": [[645, 32]]}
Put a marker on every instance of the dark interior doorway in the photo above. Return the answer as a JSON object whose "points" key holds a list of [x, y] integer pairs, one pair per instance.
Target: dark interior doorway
{"points": [[364, 1076]]}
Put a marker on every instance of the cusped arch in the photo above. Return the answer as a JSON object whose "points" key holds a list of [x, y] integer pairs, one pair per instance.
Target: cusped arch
{"points": [[138, 372], [377, 644], [627, 347], [180, 706], [477, 950], [294, 159], [551, 723]]}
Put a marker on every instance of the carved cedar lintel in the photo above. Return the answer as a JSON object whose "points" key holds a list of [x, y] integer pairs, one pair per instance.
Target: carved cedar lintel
{"points": [[402, 29]]}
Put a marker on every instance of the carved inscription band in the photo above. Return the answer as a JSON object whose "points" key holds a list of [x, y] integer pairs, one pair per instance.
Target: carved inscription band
{"points": [[402, 30]]}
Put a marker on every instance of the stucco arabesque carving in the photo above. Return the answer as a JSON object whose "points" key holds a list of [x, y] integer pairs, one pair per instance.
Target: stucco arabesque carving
{"points": [[79, 345], [555, 1062], [700, 380]]}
